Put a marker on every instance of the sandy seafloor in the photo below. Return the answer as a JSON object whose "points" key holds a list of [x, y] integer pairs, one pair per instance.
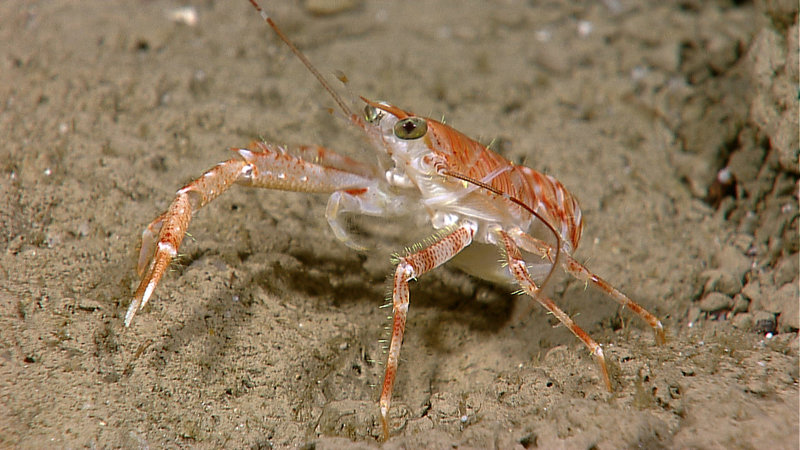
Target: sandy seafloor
{"points": [[267, 332]]}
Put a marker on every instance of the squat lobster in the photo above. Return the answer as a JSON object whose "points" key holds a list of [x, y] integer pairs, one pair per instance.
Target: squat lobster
{"points": [[475, 199]]}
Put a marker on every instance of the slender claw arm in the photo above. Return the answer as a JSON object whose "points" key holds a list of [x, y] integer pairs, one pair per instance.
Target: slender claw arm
{"points": [[260, 165], [171, 226]]}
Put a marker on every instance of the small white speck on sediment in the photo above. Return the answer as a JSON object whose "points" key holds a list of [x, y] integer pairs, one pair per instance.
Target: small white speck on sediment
{"points": [[186, 15]]}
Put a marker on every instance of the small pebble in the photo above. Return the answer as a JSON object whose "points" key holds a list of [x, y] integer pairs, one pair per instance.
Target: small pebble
{"points": [[83, 229], [740, 304], [732, 261], [764, 322], [717, 280], [743, 321], [789, 318], [715, 302], [752, 291], [786, 270]]}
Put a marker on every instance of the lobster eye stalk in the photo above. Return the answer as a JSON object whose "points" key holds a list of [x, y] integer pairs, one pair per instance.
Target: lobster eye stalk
{"points": [[411, 128]]}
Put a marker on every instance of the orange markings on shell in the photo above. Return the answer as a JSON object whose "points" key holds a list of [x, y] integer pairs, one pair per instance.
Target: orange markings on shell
{"points": [[539, 192], [356, 191]]}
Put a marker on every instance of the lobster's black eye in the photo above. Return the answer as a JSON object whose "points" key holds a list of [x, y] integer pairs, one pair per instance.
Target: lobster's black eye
{"points": [[372, 114], [410, 128]]}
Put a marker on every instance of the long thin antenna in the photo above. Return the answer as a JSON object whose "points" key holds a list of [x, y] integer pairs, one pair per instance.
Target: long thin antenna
{"points": [[304, 60], [522, 204]]}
